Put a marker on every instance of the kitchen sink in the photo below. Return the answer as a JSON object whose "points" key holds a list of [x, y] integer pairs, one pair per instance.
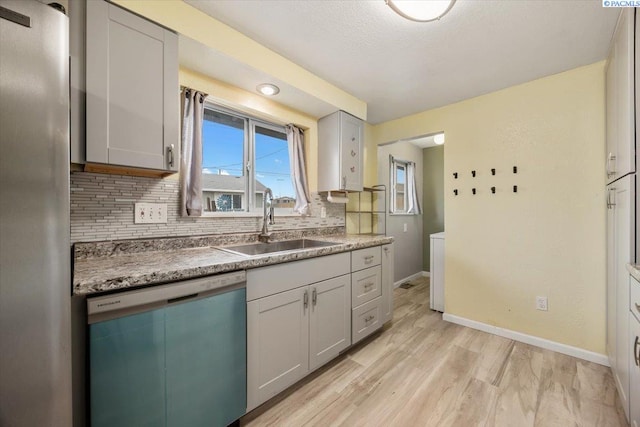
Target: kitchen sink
{"points": [[283, 246]]}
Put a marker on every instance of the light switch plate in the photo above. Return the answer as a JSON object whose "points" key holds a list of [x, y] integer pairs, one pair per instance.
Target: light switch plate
{"points": [[150, 213]]}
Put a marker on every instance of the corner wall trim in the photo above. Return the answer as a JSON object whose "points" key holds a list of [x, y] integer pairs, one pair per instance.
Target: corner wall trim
{"points": [[412, 277], [580, 353]]}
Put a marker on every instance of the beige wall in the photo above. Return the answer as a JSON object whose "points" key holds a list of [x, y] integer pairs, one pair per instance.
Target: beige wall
{"points": [[548, 239], [433, 198]]}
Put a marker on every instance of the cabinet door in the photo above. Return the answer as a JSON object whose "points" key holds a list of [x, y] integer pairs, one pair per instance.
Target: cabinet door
{"points": [[132, 105], [611, 278], [611, 115], [206, 360], [387, 282], [623, 255], [624, 40], [277, 343], [330, 320], [351, 130], [634, 391], [127, 371]]}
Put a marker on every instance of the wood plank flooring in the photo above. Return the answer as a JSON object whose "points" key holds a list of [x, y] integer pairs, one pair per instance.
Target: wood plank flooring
{"points": [[423, 371]]}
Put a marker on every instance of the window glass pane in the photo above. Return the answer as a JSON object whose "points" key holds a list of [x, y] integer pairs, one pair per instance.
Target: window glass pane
{"points": [[223, 182], [272, 168], [400, 188]]}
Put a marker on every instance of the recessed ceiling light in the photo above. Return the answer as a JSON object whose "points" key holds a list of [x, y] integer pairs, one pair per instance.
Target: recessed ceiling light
{"points": [[421, 10], [439, 138], [268, 89]]}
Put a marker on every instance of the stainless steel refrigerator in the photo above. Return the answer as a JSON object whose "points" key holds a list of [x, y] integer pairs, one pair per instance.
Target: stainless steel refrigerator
{"points": [[35, 285]]}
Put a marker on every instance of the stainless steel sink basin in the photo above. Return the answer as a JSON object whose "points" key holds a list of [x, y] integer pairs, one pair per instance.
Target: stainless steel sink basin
{"points": [[283, 246]]}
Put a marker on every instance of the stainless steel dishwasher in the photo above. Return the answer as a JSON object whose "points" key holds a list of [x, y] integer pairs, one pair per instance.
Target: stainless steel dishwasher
{"points": [[170, 355]]}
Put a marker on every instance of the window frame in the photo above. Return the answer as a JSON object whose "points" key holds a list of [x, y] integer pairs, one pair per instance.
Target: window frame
{"points": [[249, 172], [394, 164]]}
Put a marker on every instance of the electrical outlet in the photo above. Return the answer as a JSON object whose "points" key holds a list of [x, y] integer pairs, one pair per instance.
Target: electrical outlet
{"points": [[542, 303], [404, 227], [150, 213], [323, 212]]}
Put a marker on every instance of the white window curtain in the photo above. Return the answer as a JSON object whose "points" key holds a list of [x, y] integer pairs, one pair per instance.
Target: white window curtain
{"points": [[295, 138], [413, 205], [192, 106]]}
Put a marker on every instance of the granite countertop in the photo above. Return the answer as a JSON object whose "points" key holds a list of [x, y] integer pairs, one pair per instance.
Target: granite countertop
{"points": [[634, 270], [109, 266]]}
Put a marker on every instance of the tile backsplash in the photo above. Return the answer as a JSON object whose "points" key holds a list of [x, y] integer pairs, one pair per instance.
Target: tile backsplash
{"points": [[102, 209]]}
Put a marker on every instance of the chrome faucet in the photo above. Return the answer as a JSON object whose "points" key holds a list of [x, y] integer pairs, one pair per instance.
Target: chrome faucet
{"points": [[264, 236]]}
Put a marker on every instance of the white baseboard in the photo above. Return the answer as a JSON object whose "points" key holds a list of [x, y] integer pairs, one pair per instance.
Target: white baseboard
{"points": [[580, 353], [426, 274], [412, 277]]}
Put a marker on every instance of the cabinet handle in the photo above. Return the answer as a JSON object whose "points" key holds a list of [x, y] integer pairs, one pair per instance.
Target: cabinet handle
{"points": [[353, 168], [170, 152], [353, 138], [344, 182], [368, 319], [386, 249], [610, 172], [306, 299], [610, 203], [353, 153], [637, 307], [636, 353], [314, 296], [368, 259], [368, 285]]}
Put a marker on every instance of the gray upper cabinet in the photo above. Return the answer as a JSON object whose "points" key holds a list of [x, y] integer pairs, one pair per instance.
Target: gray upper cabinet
{"points": [[132, 90], [340, 137], [620, 100]]}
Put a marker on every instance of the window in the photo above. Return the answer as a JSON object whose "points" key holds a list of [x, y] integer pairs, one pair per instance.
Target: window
{"points": [[241, 158], [398, 186]]}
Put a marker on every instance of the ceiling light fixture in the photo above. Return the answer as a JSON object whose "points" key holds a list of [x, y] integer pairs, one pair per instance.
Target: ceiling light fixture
{"points": [[439, 138], [421, 10], [268, 89]]}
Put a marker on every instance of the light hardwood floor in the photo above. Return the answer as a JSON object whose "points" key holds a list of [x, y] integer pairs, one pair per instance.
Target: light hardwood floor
{"points": [[423, 371]]}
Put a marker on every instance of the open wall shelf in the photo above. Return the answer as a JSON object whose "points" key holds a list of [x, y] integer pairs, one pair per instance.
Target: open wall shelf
{"points": [[366, 211]]}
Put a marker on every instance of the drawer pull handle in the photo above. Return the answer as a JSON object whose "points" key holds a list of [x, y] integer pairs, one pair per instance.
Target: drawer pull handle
{"points": [[368, 259], [306, 299], [636, 353], [370, 318], [170, 150], [637, 307], [314, 296], [368, 285]]}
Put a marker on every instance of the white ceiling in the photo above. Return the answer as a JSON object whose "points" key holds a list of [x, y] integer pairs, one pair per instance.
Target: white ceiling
{"points": [[400, 67]]}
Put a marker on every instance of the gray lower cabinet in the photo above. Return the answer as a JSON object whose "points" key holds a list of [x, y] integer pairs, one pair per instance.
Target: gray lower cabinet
{"points": [[387, 282], [132, 90], [298, 318], [634, 353]]}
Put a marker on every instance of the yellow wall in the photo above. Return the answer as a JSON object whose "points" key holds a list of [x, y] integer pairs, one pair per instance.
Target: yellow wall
{"points": [[192, 23], [548, 239]]}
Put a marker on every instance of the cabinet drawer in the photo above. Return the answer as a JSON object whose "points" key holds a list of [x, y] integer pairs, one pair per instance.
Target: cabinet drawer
{"points": [[366, 319], [272, 279], [365, 258], [634, 301], [365, 285]]}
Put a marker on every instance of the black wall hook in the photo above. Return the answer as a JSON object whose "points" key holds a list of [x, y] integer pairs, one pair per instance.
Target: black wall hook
{"points": [[455, 192], [493, 171], [493, 190], [515, 169], [455, 175], [473, 190], [473, 174], [515, 188]]}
